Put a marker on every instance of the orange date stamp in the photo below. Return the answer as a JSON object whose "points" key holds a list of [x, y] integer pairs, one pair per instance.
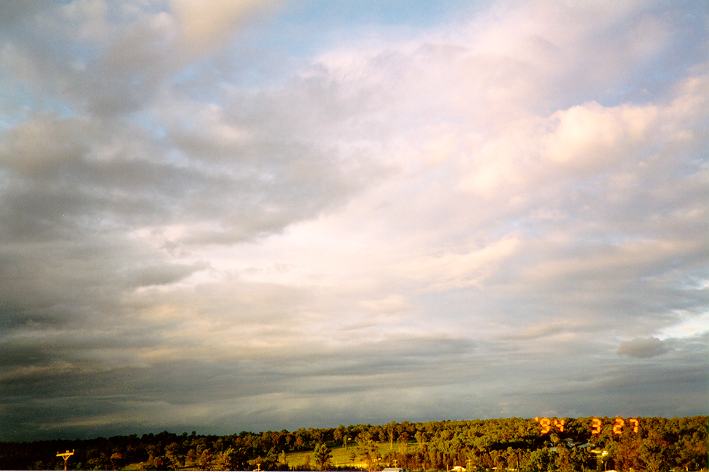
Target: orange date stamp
{"points": [[619, 425]]}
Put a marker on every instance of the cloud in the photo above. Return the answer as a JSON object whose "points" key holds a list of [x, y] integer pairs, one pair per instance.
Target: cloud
{"points": [[118, 57], [207, 26], [388, 305], [591, 135], [642, 348], [508, 208]]}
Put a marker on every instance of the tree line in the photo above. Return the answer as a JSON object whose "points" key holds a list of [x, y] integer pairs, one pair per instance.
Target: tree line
{"points": [[656, 444]]}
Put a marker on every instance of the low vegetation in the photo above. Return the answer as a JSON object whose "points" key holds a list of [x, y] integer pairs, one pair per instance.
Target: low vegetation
{"points": [[656, 444]]}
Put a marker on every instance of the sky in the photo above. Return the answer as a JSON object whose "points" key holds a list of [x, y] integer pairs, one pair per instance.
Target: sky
{"points": [[255, 215]]}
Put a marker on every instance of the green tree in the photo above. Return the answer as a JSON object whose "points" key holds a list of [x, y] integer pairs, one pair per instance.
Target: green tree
{"points": [[420, 439], [204, 461], [564, 460], [367, 449], [540, 460], [322, 456], [339, 433], [653, 452], [226, 460]]}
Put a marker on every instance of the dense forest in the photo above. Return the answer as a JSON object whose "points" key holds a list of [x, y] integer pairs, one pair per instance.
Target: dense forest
{"points": [[649, 444]]}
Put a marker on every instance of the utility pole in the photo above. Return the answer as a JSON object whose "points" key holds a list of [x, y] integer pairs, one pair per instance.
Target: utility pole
{"points": [[65, 455]]}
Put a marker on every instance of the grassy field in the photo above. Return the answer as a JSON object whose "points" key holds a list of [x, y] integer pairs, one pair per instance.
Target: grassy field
{"points": [[341, 457]]}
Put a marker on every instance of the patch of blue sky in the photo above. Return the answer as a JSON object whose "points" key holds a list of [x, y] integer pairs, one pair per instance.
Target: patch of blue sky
{"points": [[148, 123], [311, 27], [59, 108], [284, 42], [317, 16], [219, 72], [9, 121], [158, 133], [657, 76], [19, 104]]}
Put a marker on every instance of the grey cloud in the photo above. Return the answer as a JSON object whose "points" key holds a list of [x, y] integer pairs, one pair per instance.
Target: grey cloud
{"points": [[112, 172], [115, 75], [116, 58], [313, 374], [642, 348], [14, 13], [665, 385], [636, 288], [274, 392], [128, 77], [162, 274], [395, 355], [118, 151]]}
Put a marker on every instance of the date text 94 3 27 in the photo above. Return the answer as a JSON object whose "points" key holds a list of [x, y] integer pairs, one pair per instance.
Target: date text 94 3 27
{"points": [[619, 425]]}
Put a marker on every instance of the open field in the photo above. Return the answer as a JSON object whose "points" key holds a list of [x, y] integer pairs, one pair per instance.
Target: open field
{"points": [[341, 456]]}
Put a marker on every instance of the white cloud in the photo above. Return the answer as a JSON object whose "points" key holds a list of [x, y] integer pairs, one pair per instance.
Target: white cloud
{"points": [[589, 136], [690, 325], [491, 192], [387, 305]]}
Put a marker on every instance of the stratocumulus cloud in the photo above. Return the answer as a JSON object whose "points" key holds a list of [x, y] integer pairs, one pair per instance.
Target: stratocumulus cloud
{"points": [[642, 347], [254, 215]]}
